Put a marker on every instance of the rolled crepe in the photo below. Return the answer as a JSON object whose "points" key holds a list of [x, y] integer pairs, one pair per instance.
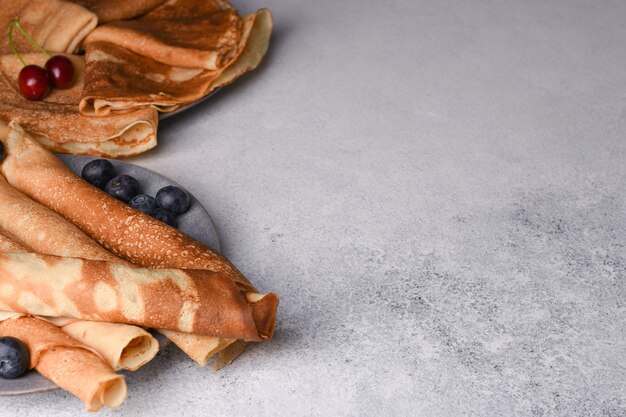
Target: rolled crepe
{"points": [[43, 230], [197, 301], [57, 25], [122, 345], [110, 10], [124, 231], [57, 123], [68, 363], [50, 234], [182, 33], [143, 81]]}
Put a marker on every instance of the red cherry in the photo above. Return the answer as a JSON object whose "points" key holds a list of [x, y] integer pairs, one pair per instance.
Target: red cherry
{"points": [[60, 71], [34, 82]]}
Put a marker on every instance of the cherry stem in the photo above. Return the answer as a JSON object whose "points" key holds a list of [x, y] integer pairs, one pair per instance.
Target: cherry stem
{"points": [[12, 45], [16, 24]]}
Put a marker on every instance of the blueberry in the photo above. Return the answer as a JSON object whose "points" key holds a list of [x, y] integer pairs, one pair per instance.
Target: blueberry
{"points": [[123, 187], [165, 216], [144, 203], [173, 199], [14, 358], [98, 172], [1, 151]]}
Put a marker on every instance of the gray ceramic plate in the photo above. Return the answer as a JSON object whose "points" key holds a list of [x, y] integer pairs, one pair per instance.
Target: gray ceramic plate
{"points": [[195, 222]]}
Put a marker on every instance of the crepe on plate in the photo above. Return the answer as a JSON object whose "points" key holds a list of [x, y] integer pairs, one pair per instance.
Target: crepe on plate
{"points": [[181, 33], [126, 232], [57, 123], [142, 80], [73, 366], [46, 232], [57, 25], [198, 301]]}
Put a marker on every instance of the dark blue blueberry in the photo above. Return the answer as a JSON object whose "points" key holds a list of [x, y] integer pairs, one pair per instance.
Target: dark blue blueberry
{"points": [[144, 203], [173, 199], [123, 187], [14, 358], [165, 216], [98, 172], [1, 151]]}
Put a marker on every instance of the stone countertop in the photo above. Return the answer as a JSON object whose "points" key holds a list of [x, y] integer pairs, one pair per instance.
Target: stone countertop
{"points": [[437, 191]]}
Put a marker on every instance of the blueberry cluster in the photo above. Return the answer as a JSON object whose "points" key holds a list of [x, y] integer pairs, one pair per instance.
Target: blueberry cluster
{"points": [[170, 201]]}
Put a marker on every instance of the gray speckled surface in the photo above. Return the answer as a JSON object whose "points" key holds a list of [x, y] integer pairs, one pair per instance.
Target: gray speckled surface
{"points": [[437, 191]]}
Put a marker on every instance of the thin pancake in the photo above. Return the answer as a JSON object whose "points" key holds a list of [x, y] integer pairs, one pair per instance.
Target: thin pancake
{"points": [[57, 25], [142, 81], [198, 301], [57, 124], [46, 232], [126, 232], [42, 230], [73, 366], [180, 247], [182, 33]]}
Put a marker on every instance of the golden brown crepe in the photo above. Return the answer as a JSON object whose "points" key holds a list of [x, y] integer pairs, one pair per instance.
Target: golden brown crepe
{"points": [[142, 81], [198, 301], [56, 122], [57, 25], [68, 363], [43, 230], [180, 33], [123, 346], [48, 233], [124, 231], [110, 10]]}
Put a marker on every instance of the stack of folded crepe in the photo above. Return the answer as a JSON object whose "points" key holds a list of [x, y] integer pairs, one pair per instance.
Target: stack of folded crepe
{"points": [[145, 57], [82, 276]]}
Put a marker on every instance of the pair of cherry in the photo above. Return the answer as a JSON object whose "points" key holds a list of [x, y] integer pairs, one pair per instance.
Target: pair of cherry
{"points": [[35, 81]]}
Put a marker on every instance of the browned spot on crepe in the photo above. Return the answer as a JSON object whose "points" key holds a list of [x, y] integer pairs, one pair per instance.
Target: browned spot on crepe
{"points": [[98, 277], [167, 291], [233, 313]]}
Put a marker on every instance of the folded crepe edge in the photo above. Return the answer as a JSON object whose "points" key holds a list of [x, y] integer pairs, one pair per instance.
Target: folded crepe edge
{"points": [[255, 50], [264, 308], [197, 347], [117, 146], [60, 358], [254, 43], [82, 32], [133, 347]]}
